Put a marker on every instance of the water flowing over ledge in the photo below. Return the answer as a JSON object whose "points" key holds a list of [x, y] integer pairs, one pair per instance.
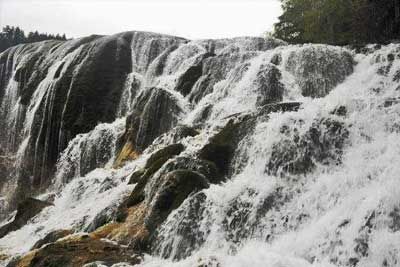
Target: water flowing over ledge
{"points": [[232, 152]]}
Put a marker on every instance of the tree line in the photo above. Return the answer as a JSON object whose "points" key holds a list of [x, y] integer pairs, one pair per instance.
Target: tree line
{"points": [[11, 36], [339, 22]]}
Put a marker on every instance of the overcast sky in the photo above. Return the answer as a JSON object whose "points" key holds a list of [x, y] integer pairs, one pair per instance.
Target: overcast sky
{"points": [[192, 19]]}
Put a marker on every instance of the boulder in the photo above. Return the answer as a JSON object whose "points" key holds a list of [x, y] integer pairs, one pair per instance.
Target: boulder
{"points": [[166, 152], [136, 176], [206, 168], [76, 251], [188, 235], [175, 188], [155, 162], [191, 75], [142, 214], [52, 237], [221, 147]]}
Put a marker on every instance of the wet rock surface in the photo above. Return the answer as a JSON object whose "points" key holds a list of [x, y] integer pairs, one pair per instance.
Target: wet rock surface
{"points": [[76, 251], [26, 210], [318, 79], [52, 237]]}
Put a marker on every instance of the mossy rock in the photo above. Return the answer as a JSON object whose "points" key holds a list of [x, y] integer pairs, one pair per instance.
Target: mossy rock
{"points": [[136, 176], [153, 164], [220, 150], [52, 237], [206, 168], [137, 194], [176, 187], [182, 131], [76, 251], [166, 152]]}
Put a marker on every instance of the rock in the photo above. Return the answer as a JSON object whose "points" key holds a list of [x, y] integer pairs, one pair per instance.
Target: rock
{"points": [[183, 131], [107, 215], [207, 168], [175, 188], [159, 115], [26, 210], [52, 237], [156, 111], [84, 80], [340, 111], [6, 165], [155, 162], [76, 251], [3, 257], [127, 153], [191, 75], [97, 264], [137, 194], [190, 233], [107, 264], [126, 143], [323, 143], [279, 107], [318, 79], [391, 101], [136, 176], [221, 147], [180, 132], [166, 152], [140, 217], [269, 84]]}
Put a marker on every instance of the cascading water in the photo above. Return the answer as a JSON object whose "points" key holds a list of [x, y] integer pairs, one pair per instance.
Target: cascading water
{"points": [[292, 150]]}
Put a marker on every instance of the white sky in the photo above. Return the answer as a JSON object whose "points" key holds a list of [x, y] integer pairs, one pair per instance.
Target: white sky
{"points": [[193, 19]]}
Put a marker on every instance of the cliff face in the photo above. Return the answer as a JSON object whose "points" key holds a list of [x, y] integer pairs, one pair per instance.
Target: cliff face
{"points": [[209, 152], [53, 91]]}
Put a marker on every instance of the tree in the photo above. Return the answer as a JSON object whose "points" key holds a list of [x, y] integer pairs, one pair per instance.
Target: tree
{"points": [[11, 36], [338, 21]]}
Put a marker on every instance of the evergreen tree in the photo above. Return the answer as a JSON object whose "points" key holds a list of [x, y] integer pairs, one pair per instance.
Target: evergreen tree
{"points": [[338, 21], [11, 36]]}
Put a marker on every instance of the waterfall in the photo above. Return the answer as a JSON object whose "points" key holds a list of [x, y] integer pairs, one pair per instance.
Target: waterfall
{"points": [[309, 171]]}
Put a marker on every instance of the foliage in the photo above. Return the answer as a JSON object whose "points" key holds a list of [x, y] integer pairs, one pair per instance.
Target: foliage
{"points": [[11, 36], [338, 21]]}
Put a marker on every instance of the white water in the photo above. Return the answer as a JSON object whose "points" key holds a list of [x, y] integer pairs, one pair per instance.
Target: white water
{"points": [[367, 182], [325, 213]]}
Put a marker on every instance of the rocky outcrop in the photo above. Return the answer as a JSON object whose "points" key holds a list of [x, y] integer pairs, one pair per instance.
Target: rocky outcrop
{"points": [[52, 237], [62, 89], [76, 251], [155, 113], [155, 162], [318, 70], [26, 210], [269, 83], [322, 143]]}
